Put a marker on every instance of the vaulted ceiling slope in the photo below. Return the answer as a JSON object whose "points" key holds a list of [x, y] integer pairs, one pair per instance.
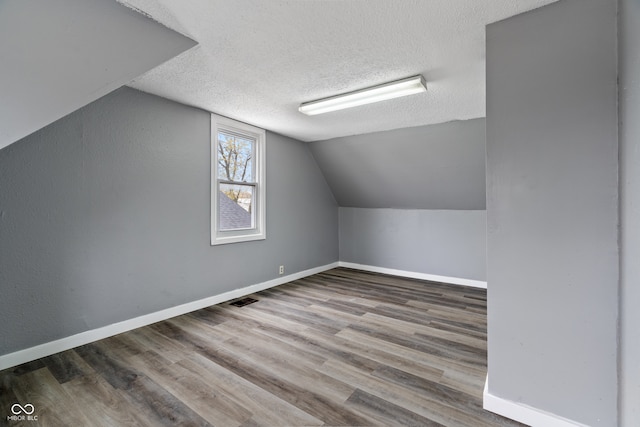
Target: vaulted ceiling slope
{"points": [[439, 166], [258, 60], [58, 56]]}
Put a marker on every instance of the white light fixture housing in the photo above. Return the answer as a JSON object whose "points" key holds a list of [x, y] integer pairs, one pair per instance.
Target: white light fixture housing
{"points": [[395, 89]]}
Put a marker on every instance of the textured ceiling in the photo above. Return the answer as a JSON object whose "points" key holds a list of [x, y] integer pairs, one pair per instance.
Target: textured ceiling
{"points": [[258, 60]]}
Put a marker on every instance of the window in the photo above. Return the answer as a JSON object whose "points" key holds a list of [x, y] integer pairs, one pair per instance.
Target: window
{"points": [[237, 181]]}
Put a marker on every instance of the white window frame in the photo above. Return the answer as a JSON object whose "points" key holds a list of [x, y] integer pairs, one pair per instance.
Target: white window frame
{"points": [[258, 232]]}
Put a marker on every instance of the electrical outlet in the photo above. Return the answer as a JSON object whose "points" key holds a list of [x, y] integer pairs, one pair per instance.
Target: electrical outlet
{"points": [[281, 269]]}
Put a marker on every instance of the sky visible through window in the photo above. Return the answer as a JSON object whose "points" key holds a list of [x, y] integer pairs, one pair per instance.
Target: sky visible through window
{"points": [[235, 166]]}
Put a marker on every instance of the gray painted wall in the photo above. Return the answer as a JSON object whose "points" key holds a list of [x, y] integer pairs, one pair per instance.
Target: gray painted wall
{"points": [[433, 178], [552, 217], [58, 56], [441, 242], [104, 216], [629, 115], [428, 167]]}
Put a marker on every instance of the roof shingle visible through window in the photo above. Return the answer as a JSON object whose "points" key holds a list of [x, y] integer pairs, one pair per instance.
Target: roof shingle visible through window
{"points": [[232, 215]]}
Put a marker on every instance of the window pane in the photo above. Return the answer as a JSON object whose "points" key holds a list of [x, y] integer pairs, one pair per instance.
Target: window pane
{"points": [[235, 206], [238, 179], [235, 157]]}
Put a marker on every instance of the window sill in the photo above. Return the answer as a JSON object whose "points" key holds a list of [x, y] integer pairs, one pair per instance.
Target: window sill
{"points": [[224, 240]]}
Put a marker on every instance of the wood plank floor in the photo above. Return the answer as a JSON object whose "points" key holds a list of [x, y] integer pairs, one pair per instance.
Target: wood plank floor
{"points": [[340, 348]]}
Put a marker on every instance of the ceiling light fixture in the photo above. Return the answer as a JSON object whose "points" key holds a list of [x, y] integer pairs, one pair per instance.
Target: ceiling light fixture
{"points": [[396, 89]]}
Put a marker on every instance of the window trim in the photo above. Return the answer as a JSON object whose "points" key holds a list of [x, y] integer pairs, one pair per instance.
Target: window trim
{"points": [[258, 232]]}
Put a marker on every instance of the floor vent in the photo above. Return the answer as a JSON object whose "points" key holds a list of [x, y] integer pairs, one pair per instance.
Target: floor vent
{"points": [[244, 301]]}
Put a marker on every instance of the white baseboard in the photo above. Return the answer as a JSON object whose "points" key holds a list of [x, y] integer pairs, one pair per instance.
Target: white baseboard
{"points": [[47, 349], [523, 413], [415, 275]]}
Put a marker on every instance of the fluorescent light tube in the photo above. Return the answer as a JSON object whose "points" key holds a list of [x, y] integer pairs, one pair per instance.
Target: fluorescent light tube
{"points": [[396, 89]]}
